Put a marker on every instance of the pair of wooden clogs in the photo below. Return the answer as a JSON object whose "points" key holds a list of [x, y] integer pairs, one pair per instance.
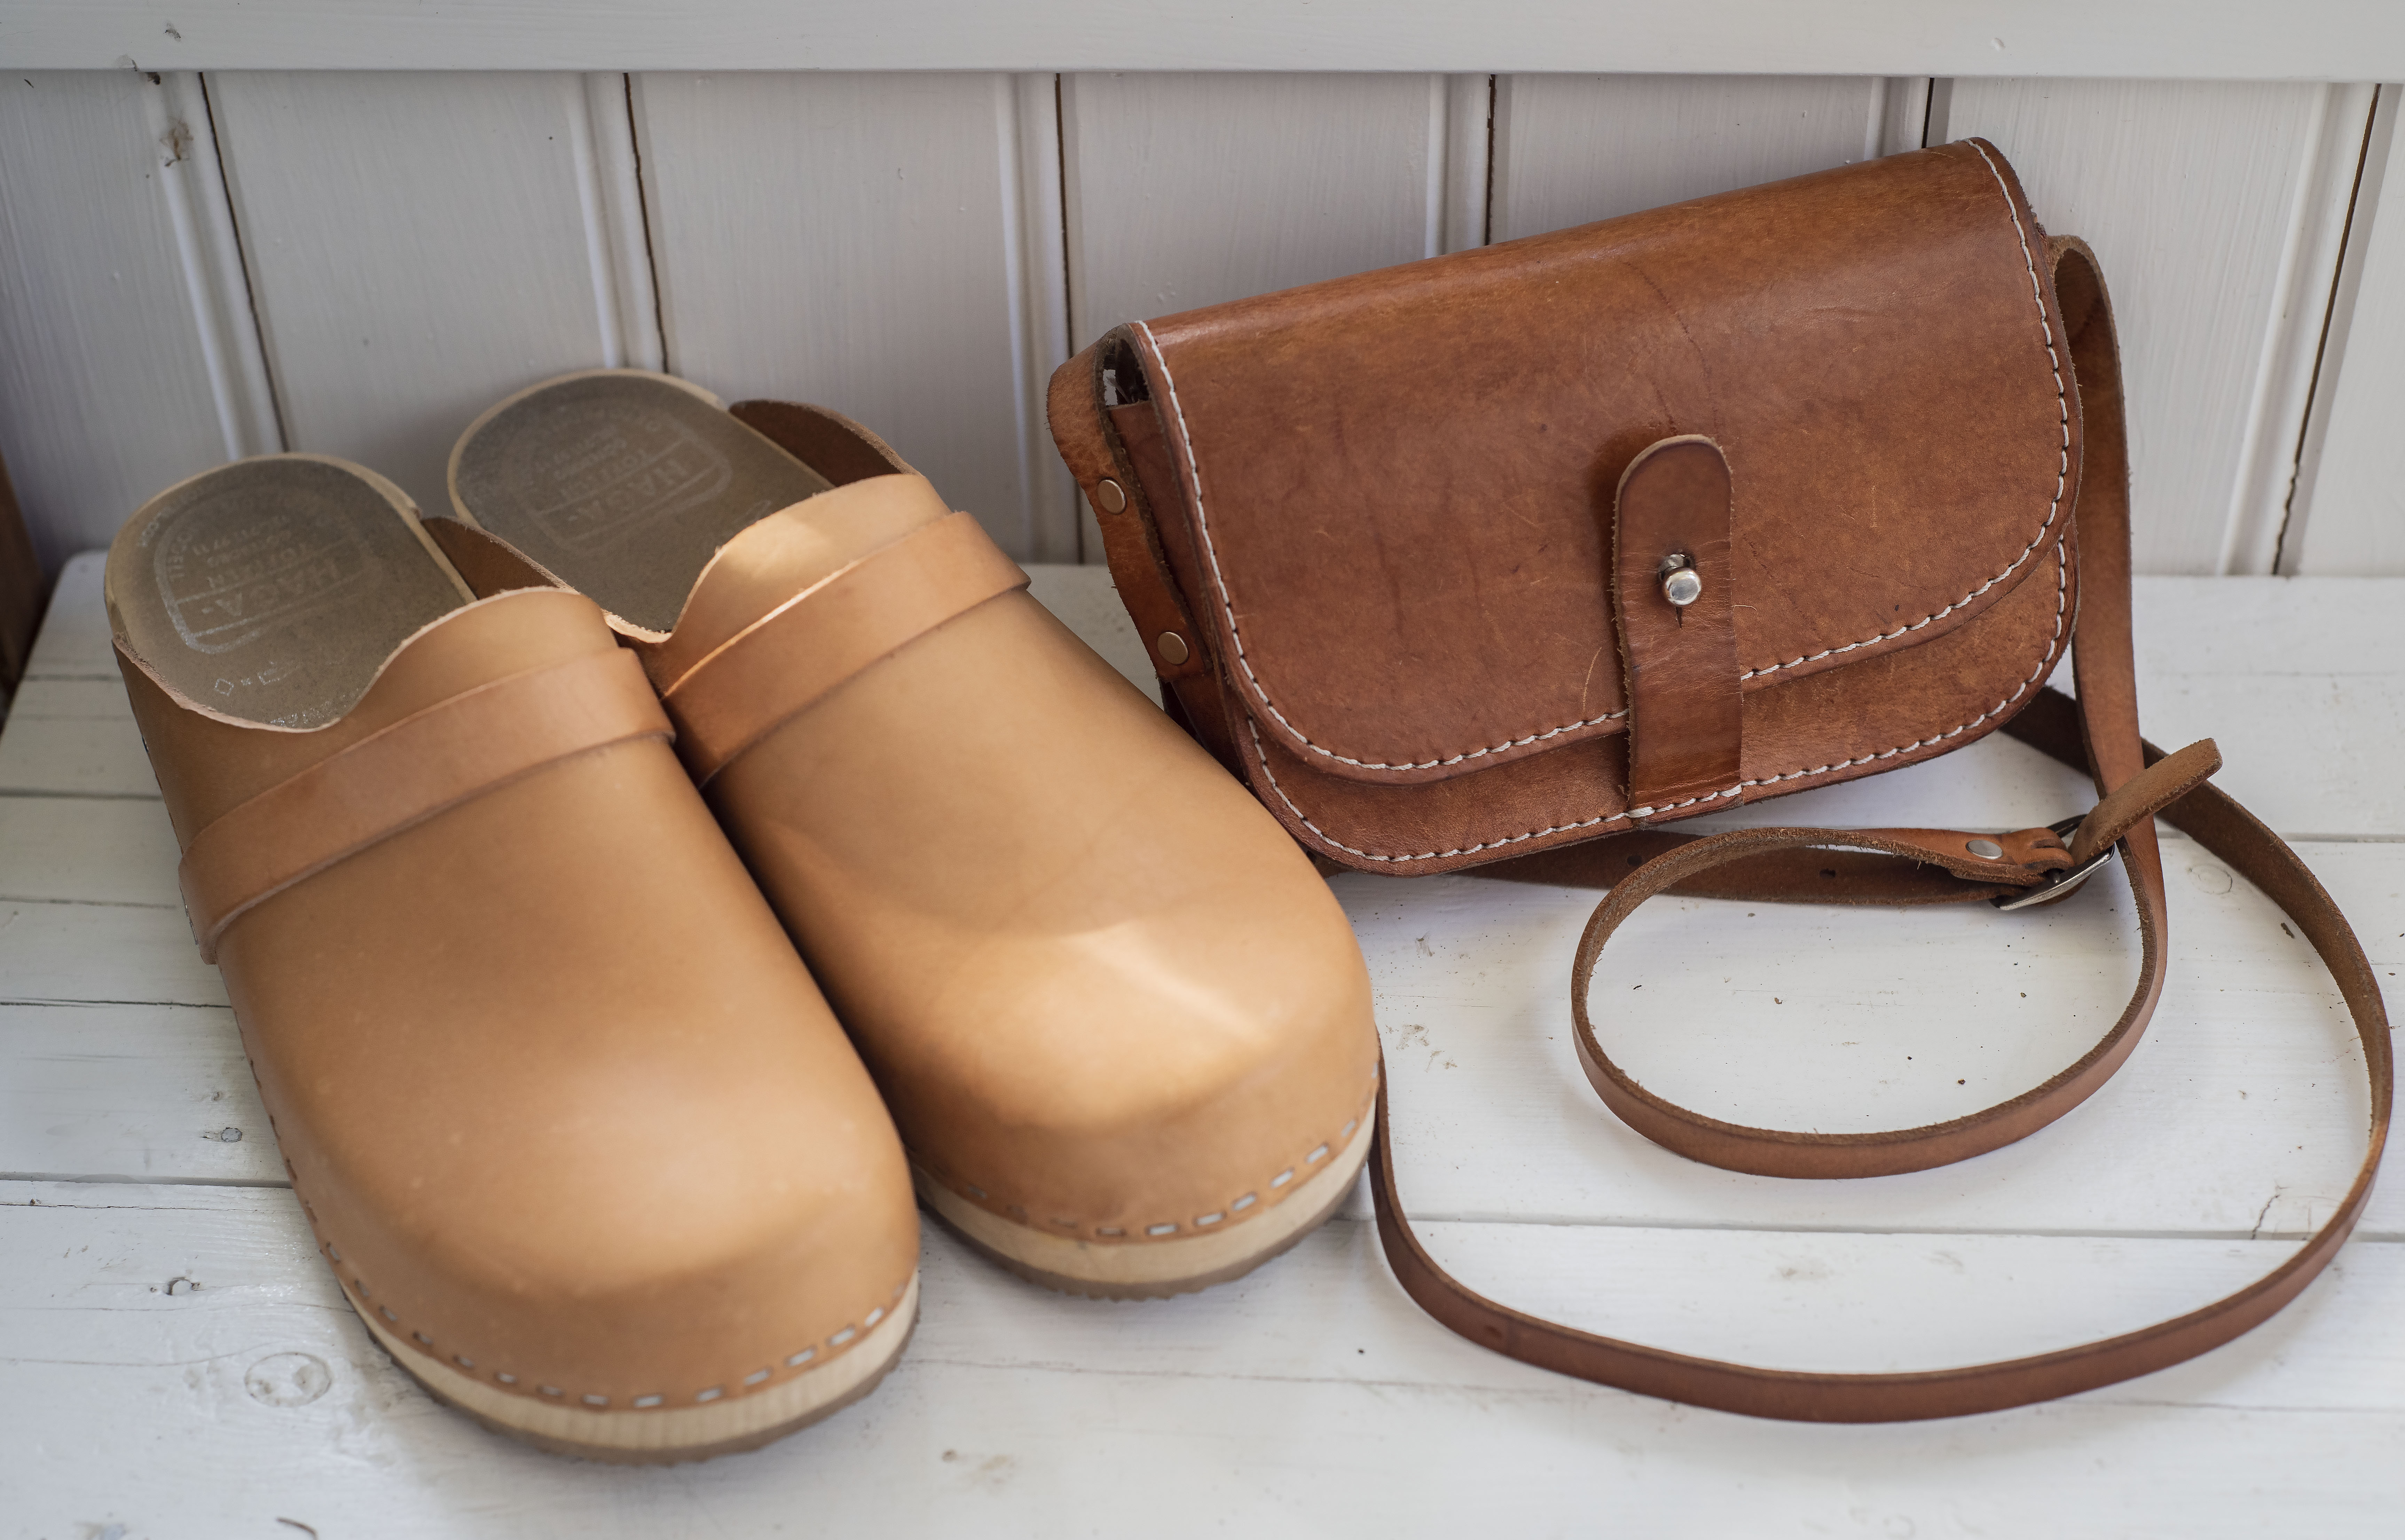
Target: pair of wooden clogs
{"points": [[629, 887]]}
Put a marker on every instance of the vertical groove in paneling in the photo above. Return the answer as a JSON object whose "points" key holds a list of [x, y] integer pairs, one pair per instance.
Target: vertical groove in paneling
{"points": [[1036, 236], [127, 359], [1900, 117], [2347, 514], [1939, 129], [420, 244], [1469, 136], [2212, 207], [1432, 184], [1571, 148], [612, 193], [2292, 331], [211, 257], [873, 244]]}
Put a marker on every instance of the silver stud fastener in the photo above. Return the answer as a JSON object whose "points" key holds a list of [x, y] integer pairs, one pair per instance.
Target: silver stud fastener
{"points": [[1986, 850], [1172, 648], [1681, 584], [1110, 497]]}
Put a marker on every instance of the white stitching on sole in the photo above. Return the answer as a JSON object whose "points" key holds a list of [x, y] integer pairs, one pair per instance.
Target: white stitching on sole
{"points": [[1167, 1227], [1227, 605], [2061, 601]]}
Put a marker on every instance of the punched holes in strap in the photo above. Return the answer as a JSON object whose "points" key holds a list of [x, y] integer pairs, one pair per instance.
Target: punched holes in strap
{"points": [[791, 658], [402, 775]]}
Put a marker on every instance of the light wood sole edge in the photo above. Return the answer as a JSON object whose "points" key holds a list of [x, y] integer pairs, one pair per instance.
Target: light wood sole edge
{"points": [[666, 1435], [1147, 1270]]}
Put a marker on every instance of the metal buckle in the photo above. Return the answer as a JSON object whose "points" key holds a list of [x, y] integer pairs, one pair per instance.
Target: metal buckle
{"points": [[2061, 882]]}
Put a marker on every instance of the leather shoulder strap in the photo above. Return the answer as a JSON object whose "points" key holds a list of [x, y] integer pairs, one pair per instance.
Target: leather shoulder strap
{"points": [[2134, 779], [792, 657], [404, 774]]}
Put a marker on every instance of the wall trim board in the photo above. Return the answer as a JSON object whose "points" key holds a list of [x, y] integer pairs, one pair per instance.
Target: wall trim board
{"points": [[2159, 39]]}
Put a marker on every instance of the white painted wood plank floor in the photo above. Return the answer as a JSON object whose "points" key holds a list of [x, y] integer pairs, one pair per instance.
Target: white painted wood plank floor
{"points": [[177, 1362]]}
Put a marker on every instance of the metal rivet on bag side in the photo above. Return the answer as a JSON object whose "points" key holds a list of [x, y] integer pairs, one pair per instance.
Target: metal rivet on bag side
{"points": [[1986, 850], [1172, 648], [1681, 584], [1110, 497]]}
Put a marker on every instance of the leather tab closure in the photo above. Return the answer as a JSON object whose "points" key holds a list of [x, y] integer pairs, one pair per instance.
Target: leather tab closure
{"points": [[791, 658], [1672, 590], [400, 775]]}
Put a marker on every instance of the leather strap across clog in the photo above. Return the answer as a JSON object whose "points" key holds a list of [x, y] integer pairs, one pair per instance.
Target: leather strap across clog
{"points": [[400, 775], [782, 664]]}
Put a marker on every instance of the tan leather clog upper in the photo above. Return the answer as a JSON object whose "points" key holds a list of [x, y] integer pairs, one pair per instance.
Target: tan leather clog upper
{"points": [[1102, 990], [1106, 999], [562, 1104]]}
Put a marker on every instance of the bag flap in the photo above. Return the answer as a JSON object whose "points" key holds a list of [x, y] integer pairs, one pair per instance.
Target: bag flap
{"points": [[1398, 487]]}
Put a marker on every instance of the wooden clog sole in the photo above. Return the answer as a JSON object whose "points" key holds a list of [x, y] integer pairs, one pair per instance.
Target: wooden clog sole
{"points": [[669, 1435], [1146, 1270]]}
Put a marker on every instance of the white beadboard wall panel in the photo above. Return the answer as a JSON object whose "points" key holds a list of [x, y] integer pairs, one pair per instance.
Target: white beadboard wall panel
{"points": [[422, 245], [2348, 516], [129, 358], [1572, 149], [2214, 208], [885, 245], [2168, 40], [1188, 189]]}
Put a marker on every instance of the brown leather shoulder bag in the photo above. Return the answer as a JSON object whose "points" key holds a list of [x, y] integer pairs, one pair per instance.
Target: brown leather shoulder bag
{"points": [[1523, 554]]}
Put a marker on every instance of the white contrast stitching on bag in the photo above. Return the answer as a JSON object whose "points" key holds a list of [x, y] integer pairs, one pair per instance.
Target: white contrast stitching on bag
{"points": [[1227, 605], [1203, 520], [2061, 607]]}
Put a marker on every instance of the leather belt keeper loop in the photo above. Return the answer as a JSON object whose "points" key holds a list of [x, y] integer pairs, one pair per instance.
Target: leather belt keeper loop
{"points": [[402, 775], [793, 657]]}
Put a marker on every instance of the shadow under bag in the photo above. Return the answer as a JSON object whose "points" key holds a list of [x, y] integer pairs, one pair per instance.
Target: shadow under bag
{"points": [[1518, 555]]}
